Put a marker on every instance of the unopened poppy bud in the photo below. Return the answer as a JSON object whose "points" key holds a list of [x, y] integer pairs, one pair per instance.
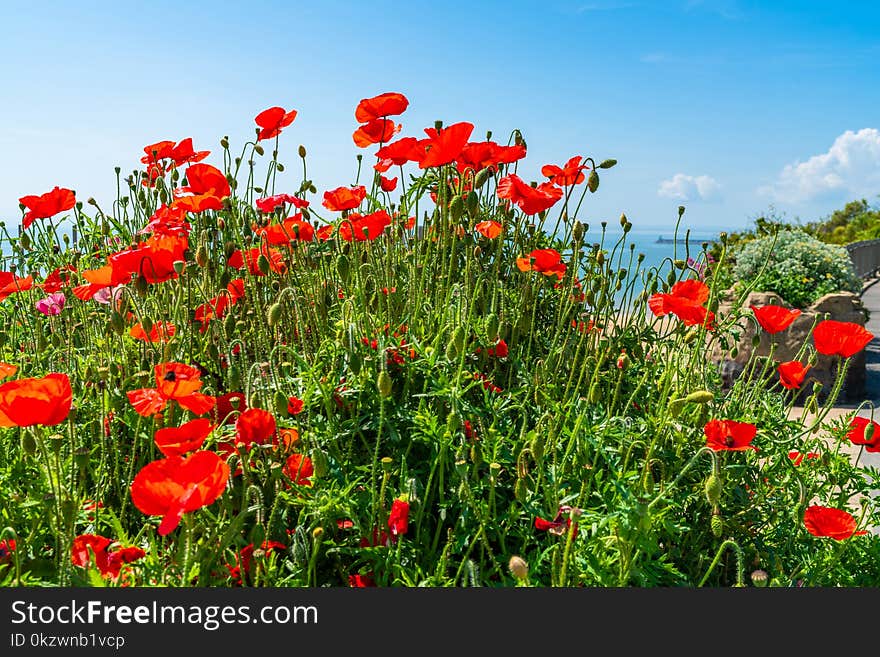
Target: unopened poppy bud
{"points": [[681, 212], [280, 401], [756, 340], [453, 422], [25, 240], [593, 181], [224, 143], [607, 164], [481, 177], [717, 523], [383, 383], [492, 324], [202, 255], [274, 314], [116, 322], [518, 568], [675, 407], [302, 151], [869, 432], [342, 266], [28, 443], [472, 204], [760, 578], [478, 251], [279, 166], [691, 334], [713, 489], [595, 394], [623, 360], [456, 207], [263, 264], [700, 397], [623, 220], [320, 463], [318, 533], [258, 190], [259, 150], [537, 445], [141, 286], [521, 490]]}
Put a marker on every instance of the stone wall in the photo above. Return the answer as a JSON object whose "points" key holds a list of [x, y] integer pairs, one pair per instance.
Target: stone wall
{"points": [[840, 306]]}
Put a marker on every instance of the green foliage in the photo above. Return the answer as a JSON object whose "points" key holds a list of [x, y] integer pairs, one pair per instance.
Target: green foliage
{"points": [[796, 266], [855, 222]]}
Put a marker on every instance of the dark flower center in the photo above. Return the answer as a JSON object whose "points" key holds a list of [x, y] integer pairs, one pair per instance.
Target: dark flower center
{"points": [[170, 376], [728, 440]]}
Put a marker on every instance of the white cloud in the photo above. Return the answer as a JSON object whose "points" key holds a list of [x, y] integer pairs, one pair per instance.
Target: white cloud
{"points": [[690, 188], [851, 167]]}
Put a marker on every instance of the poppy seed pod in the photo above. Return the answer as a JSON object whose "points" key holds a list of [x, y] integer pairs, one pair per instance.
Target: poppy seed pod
{"points": [[700, 397]]}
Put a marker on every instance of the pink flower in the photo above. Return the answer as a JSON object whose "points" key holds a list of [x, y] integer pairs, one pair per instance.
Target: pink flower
{"points": [[52, 305], [108, 294]]}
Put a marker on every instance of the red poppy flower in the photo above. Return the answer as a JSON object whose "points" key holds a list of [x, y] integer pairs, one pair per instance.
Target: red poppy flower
{"points": [[7, 547], [489, 229], [183, 153], [175, 381], [244, 561], [161, 150], [774, 319], [546, 261], [376, 131], [571, 173], [58, 278], [251, 260], [859, 434], [10, 284], [499, 350], [531, 200], [399, 517], [387, 104], [828, 522], [479, 155], [364, 228], [388, 184], [730, 435], [228, 404], [254, 426], [272, 120], [560, 524], [169, 221], [361, 581], [174, 486], [7, 369], [398, 153], [108, 562], [344, 198], [205, 179], [843, 339], [42, 401], [268, 204], [444, 145], [46, 205], [685, 301], [159, 332], [291, 229], [188, 437], [300, 469], [295, 405], [792, 373], [216, 307], [798, 457]]}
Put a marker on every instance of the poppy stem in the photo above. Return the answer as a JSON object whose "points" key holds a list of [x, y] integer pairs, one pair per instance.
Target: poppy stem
{"points": [[740, 567]]}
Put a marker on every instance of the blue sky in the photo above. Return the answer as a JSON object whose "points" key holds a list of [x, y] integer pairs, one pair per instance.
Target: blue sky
{"points": [[724, 106]]}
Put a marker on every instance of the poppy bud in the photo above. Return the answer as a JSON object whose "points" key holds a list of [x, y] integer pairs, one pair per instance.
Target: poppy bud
{"points": [[280, 401], [577, 231], [224, 143], [593, 181], [691, 334], [869, 432], [25, 240], [607, 164], [492, 324], [595, 394], [478, 251], [700, 397], [259, 149], [456, 207], [117, 323], [518, 568], [234, 375], [258, 190], [28, 443], [202, 254], [383, 383], [622, 360], [280, 168], [521, 490], [274, 314], [302, 151], [320, 463], [756, 340], [318, 533], [717, 523], [355, 362], [141, 286], [453, 422], [734, 351], [263, 264], [760, 578], [675, 407], [679, 263], [537, 445], [342, 266], [713, 489]]}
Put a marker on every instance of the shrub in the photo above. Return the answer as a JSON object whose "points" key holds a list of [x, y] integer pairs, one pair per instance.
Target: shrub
{"points": [[799, 268]]}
